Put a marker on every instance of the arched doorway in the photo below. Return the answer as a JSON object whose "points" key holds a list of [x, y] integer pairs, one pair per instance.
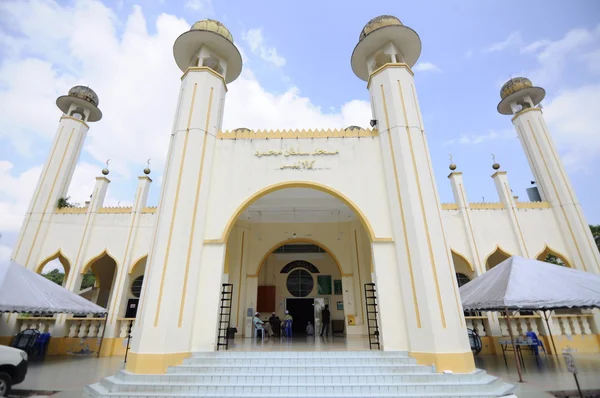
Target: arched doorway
{"points": [[98, 279], [55, 268], [288, 238]]}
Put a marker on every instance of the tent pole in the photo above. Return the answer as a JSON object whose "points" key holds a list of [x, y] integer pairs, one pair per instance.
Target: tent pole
{"points": [[550, 333], [103, 331], [512, 339]]}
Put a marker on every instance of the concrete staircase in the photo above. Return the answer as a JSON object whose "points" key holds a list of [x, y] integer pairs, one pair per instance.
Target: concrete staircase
{"points": [[300, 374]]}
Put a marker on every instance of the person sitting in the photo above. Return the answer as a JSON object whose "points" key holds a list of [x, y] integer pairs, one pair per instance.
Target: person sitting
{"points": [[275, 324], [310, 329]]}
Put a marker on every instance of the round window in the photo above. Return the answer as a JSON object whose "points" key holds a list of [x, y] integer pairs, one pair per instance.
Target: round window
{"points": [[136, 286], [300, 283]]}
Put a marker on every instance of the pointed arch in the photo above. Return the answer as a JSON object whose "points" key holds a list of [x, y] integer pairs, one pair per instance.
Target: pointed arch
{"points": [[64, 260], [138, 261], [300, 184], [89, 263], [497, 250], [541, 256], [457, 254], [298, 240]]}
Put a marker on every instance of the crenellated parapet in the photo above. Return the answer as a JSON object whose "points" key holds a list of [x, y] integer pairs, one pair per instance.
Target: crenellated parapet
{"points": [[247, 134]]}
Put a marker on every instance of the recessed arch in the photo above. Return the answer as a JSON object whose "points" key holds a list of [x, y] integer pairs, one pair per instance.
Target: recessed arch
{"points": [[104, 252], [541, 256], [300, 184], [64, 260], [497, 250], [457, 254], [138, 261], [298, 240]]}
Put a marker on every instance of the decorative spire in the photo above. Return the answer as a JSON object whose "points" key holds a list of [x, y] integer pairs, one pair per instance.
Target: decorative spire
{"points": [[105, 170], [147, 169], [452, 165], [495, 166]]}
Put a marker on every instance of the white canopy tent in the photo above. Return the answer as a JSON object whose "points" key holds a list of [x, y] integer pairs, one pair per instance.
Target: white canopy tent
{"points": [[522, 284], [22, 290]]}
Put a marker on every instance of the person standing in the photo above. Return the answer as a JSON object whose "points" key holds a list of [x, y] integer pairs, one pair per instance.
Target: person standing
{"points": [[326, 319], [275, 324]]}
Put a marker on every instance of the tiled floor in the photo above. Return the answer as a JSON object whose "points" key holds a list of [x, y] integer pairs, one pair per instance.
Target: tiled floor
{"points": [[70, 374]]}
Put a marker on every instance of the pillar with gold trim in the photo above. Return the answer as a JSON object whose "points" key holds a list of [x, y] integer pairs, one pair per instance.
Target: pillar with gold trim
{"points": [[181, 270], [79, 107], [427, 288], [521, 99]]}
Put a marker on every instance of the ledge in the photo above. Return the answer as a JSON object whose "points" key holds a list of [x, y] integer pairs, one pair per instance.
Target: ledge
{"points": [[486, 205], [533, 205], [449, 206], [115, 210], [72, 210], [295, 134]]}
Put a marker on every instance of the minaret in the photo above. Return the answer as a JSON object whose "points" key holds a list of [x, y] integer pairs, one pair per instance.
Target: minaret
{"points": [[521, 99], [184, 275], [79, 107], [434, 322]]}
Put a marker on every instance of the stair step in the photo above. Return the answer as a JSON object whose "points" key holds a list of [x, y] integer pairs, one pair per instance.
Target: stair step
{"points": [[305, 369]]}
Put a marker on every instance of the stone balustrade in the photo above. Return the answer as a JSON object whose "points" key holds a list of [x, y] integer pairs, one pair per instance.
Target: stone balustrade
{"points": [[43, 324], [84, 327], [126, 326], [573, 325], [477, 324]]}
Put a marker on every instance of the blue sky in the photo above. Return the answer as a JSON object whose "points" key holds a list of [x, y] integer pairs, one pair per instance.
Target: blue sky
{"points": [[296, 62]]}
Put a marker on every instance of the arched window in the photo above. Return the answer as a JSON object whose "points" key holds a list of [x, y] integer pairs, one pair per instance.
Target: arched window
{"points": [[299, 264], [136, 286], [462, 279], [300, 283]]}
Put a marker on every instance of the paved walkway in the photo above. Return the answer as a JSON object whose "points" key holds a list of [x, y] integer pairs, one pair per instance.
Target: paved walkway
{"points": [[70, 374]]}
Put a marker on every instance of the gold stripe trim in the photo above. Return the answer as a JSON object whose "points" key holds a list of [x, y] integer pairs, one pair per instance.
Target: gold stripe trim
{"points": [[195, 213], [514, 212], [564, 178], [468, 216], [115, 210], [420, 191], [175, 201], [486, 206], [72, 210], [525, 111], [408, 256], [449, 206], [240, 277], [77, 120], [82, 241], [557, 195], [204, 69], [147, 210], [360, 286], [37, 194], [532, 205], [434, 191], [387, 66], [50, 195], [295, 134]]}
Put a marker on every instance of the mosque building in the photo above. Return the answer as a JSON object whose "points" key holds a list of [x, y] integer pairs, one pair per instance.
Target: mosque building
{"points": [[269, 221]]}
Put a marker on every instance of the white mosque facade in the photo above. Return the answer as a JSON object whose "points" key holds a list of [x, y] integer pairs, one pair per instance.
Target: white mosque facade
{"points": [[293, 219]]}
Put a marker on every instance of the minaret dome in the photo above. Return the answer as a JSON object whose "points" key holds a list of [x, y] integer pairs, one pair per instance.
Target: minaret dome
{"points": [[517, 94], [82, 103], [210, 44], [384, 40]]}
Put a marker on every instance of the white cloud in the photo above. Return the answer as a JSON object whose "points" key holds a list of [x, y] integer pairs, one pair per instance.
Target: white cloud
{"points": [[469, 54], [474, 139], [574, 123], [137, 81], [5, 252], [513, 40], [426, 67], [201, 6], [553, 56], [256, 41]]}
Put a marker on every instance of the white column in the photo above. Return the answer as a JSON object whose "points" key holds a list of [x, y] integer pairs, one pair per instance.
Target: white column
{"points": [[507, 198], [53, 184], [251, 295], [555, 187]]}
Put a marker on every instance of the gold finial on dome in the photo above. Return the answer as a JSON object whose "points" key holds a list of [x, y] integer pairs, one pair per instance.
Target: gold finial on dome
{"points": [[496, 165], [452, 166], [84, 97], [378, 23], [105, 170], [514, 85], [211, 25], [147, 169]]}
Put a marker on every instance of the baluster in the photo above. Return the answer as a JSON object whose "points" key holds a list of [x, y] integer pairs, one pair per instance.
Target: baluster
{"points": [[124, 324], [566, 326], [523, 326], [23, 326], [503, 326], [100, 328], [576, 325], [534, 326], [479, 327], [585, 323], [42, 326], [515, 327], [73, 329], [92, 329], [82, 329]]}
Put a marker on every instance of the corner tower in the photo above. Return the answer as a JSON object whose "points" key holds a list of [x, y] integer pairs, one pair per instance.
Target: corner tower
{"points": [[180, 276], [79, 107], [521, 99], [434, 323]]}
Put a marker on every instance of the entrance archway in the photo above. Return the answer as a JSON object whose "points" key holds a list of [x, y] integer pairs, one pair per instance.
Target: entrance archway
{"points": [[287, 223], [103, 268]]}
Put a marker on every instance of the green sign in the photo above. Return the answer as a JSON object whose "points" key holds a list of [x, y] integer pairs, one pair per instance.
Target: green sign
{"points": [[337, 287], [324, 285]]}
